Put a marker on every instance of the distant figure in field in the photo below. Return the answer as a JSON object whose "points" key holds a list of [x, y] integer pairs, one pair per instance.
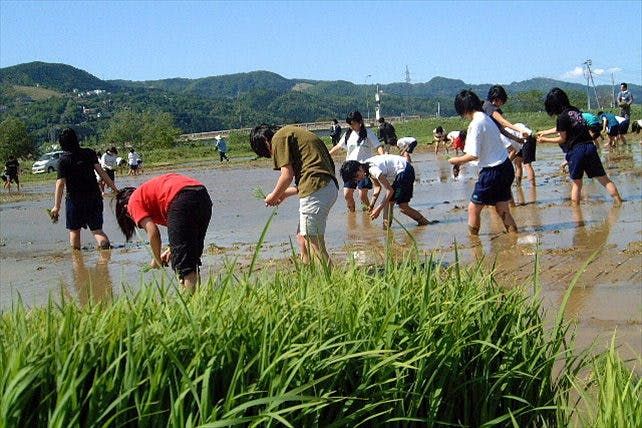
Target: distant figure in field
{"points": [[180, 203], [302, 157], [132, 161], [439, 137], [84, 201], [221, 146], [406, 146], [396, 176], [387, 133], [12, 173], [359, 143], [526, 154], [109, 162], [576, 142], [335, 131], [637, 126], [613, 125], [624, 100], [485, 148], [457, 139]]}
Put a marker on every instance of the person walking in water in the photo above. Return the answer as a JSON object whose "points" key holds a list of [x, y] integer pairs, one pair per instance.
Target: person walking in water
{"points": [[84, 201]]}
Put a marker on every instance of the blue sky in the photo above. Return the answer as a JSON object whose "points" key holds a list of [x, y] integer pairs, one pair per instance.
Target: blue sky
{"points": [[477, 42]]}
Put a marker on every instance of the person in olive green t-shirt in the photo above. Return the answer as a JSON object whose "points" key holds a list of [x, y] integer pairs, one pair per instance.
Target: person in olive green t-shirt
{"points": [[300, 156]]}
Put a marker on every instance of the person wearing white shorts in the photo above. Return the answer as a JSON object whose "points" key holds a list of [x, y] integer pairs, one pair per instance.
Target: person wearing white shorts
{"points": [[314, 210]]}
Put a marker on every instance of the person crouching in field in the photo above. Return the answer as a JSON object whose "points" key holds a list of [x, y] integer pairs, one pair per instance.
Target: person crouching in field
{"points": [[577, 143], [392, 173], [178, 202], [406, 146], [84, 201], [301, 156], [485, 148]]}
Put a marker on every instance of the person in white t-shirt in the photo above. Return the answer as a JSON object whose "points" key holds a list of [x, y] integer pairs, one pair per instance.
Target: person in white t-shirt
{"points": [[406, 146], [485, 149], [359, 142], [525, 154], [392, 173]]}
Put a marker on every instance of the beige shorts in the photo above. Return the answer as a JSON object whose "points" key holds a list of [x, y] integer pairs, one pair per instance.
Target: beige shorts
{"points": [[314, 210]]}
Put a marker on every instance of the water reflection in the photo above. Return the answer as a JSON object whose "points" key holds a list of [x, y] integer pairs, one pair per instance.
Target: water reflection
{"points": [[92, 284]]}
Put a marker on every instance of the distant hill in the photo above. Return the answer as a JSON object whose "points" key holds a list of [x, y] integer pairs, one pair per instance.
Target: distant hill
{"points": [[59, 77], [42, 96]]}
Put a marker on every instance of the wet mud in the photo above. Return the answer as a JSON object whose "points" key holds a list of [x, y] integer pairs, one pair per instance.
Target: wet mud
{"points": [[601, 242]]}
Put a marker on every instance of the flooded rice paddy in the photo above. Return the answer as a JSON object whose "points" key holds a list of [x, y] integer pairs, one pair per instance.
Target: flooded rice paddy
{"points": [[36, 263]]}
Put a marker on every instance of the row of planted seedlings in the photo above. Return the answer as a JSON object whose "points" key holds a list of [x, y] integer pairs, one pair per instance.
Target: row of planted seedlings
{"points": [[410, 342]]}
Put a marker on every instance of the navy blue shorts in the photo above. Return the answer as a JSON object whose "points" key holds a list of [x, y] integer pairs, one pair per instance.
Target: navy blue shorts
{"points": [[84, 211], [583, 158], [493, 184], [366, 183], [403, 185], [188, 217], [613, 131], [596, 128], [527, 153]]}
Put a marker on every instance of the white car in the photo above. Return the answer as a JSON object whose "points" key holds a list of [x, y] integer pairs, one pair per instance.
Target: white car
{"points": [[47, 162]]}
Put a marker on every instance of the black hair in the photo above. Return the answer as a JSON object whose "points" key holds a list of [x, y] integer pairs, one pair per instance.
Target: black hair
{"points": [[439, 130], [556, 102], [497, 92], [68, 140], [355, 116], [258, 138], [125, 222], [600, 113], [463, 133], [382, 120], [625, 85], [335, 121], [350, 168], [467, 102], [114, 150]]}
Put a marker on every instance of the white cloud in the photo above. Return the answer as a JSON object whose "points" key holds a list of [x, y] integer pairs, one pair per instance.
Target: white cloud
{"points": [[614, 70], [575, 73], [598, 71]]}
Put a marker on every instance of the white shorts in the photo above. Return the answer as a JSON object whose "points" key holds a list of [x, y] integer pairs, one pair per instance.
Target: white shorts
{"points": [[314, 210]]}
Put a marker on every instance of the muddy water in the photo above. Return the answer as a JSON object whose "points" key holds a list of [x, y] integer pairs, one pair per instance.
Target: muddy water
{"points": [[35, 262]]}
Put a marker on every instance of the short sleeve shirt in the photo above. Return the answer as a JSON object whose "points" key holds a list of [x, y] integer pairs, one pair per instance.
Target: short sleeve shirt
{"points": [[312, 164], [387, 165], [573, 124], [490, 108], [153, 197], [77, 168], [358, 148], [12, 167], [484, 142]]}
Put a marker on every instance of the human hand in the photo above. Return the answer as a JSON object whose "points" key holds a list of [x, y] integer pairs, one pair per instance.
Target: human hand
{"points": [[272, 200], [165, 256], [53, 214], [154, 264], [374, 213]]}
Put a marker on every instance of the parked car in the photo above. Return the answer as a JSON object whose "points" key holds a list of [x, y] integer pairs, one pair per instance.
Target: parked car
{"points": [[47, 162]]}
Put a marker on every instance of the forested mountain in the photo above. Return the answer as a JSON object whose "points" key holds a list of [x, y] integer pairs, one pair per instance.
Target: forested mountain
{"points": [[48, 96]]}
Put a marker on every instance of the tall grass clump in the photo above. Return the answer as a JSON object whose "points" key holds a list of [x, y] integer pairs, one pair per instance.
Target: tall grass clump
{"points": [[612, 397], [407, 344]]}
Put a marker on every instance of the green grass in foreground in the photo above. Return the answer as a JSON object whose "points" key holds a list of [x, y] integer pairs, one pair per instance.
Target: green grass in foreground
{"points": [[406, 344]]}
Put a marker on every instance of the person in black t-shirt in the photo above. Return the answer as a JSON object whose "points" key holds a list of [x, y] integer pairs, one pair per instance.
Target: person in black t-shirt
{"points": [[84, 202], [575, 140], [387, 132], [12, 171]]}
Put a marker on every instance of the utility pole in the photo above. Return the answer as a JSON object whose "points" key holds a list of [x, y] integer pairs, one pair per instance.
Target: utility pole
{"points": [[378, 104], [408, 82], [367, 104], [588, 89], [588, 64], [613, 91]]}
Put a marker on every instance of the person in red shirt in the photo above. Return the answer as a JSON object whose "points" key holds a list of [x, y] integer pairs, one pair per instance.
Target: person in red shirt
{"points": [[176, 201]]}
